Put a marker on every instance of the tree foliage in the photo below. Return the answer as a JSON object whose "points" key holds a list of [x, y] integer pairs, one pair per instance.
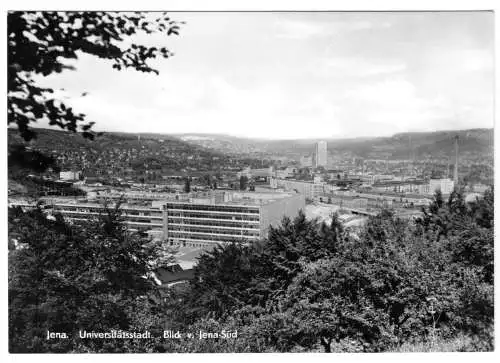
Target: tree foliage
{"points": [[312, 286], [309, 286], [41, 43], [68, 278]]}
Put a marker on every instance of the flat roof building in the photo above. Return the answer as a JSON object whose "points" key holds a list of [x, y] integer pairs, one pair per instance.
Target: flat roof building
{"points": [[236, 217], [137, 218], [196, 220]]}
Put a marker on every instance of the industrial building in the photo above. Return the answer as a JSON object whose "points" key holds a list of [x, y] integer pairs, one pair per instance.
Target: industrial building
{"points": [[232, 217]]}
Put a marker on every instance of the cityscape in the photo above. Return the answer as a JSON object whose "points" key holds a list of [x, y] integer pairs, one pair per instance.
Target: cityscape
{"points": [[150, 240]]}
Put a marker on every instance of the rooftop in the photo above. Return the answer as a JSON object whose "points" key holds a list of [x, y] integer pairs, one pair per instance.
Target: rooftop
{"points": [[235, 198]]}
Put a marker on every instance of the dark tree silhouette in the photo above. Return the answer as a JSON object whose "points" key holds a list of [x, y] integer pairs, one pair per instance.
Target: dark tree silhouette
{"points": [[41, 43]]}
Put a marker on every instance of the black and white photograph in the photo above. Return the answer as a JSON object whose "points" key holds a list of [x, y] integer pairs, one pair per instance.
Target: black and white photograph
{"points": [[273, 181]]}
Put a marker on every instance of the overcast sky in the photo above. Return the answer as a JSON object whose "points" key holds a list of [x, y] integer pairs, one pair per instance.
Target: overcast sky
{"points": [[299, 75]]}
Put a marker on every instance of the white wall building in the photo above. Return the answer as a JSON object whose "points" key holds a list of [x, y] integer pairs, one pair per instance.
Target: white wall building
{"points": [[70, 175], [321, 156], [306, 161], [445, 185], [244, 218]]}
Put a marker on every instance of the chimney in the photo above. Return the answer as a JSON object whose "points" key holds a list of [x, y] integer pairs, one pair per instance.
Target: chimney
{"points": [[448, 168], [455, 174]]}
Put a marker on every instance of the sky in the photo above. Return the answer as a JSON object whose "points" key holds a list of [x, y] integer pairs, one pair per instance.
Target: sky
{"points": [[299, 75]]}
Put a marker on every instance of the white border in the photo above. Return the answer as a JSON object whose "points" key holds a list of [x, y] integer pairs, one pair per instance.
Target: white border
{"points": [[225, 5]]}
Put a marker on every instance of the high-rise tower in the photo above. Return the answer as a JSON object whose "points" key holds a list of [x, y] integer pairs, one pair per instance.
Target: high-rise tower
{"points": [[321, 154]]}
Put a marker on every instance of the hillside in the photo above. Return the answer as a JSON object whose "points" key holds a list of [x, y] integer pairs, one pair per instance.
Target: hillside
{"points": [[474, 144], [153, 155], [123, 155]]}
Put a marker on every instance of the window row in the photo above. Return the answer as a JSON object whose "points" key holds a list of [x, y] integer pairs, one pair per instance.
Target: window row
{"points": [[213, 208], [228, 217], [230, 224], [209, 231], [183, 237]]}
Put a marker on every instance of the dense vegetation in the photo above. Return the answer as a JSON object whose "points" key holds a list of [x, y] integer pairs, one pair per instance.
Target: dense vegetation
{"points": [[312, 285], [308, 287], [66, 278]]}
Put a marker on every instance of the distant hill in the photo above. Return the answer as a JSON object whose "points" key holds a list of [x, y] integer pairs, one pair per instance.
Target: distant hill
{"points": [[124, 153], [420, 145], [114, 154]]}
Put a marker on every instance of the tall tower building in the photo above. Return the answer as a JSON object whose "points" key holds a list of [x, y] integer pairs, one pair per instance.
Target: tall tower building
{"points": [[320, 154], [455, 171]]}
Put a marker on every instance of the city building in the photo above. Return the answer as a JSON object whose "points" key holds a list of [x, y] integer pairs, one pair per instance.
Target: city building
{"points": [[446, 186], [131, 195], [306, 188], [306, 161], [235, 217], [70, 175], [286, 172], [137, 218], [406, 186], [256, 173], [353, 203], [321, 156]]}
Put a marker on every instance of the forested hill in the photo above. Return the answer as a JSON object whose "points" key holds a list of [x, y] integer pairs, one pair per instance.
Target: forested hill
{"points": [[119, 153], [61, 141]]}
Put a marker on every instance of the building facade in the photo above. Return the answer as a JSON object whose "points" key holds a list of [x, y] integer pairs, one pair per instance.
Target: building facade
{"points": [[243, 218], [446, 186], [70, 175], [321, 154], [137, 218], [306, 161], [306, 188], [197, 221]]}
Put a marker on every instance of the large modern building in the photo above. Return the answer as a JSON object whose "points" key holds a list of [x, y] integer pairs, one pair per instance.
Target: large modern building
{"points": [[196, 220], [321, 156], [232, 217], [137, 218]]}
